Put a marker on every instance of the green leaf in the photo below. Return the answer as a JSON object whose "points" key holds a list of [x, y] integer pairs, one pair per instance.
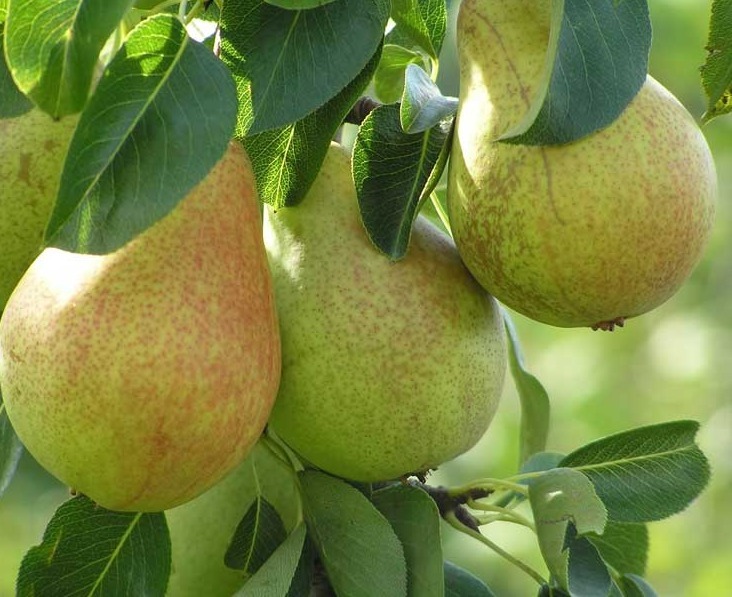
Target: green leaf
{"points": [[358, 547], [394, 173], [276, 574], [647, 473], [389, 77], [717, 70], [460, 583], [288, 63], [302, 580], [298, 4], [558, 497], [257, 536], [416, 521], [87, 550], [201, 530], [600, 60], [423, 106], [287, 160], [12, 101], [161, 117], [424, 21], [52, 48], [587, 574], [635, 586], [10, 449], [624, 546], [535, 406]]}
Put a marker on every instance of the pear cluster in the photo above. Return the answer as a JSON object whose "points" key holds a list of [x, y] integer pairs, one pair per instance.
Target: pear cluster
{"points": [[589, 233], [143, 376]]}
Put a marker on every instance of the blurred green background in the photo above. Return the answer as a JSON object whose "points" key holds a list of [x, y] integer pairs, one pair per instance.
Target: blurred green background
{"points": [[672, 363]]}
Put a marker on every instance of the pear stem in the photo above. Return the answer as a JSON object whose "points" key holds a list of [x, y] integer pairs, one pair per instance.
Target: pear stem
{"points": [[505, 514], [455, 522]]}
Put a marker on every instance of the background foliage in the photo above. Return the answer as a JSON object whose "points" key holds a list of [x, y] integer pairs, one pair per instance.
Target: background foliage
{"points": [[669, 364]]}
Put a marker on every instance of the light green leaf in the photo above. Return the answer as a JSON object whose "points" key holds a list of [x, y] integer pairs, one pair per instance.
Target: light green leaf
{"points": [[389, 77], [87, 550], [424, 21], [647, 473], [52, 48], [276, 574], [535, 406], [558, 497], [161, 117], [287, 63], [717, 70], [596, 64], [394, 173], [416, 521], [423, 106], [12, 101], [358, 547]]}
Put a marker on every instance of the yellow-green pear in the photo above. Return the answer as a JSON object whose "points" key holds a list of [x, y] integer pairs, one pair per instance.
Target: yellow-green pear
{"points": [[141, 377], [32, 152], [201, 530], [388, 368], [584, 234]]}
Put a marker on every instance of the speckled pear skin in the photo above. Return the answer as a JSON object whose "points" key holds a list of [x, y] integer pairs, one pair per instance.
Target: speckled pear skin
{"points": [[388, 368], [143, 376], [32, 152], [582, 234]]}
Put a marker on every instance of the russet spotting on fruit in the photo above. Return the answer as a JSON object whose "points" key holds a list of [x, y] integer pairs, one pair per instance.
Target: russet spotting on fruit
{"points": [[143, 376], [388, 368], [583, 234]]}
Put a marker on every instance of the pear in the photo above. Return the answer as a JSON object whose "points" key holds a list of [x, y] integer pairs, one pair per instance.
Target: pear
{"points": [[388, 368], [32, 156], [201, 530], [584, 234], [141, 377]]}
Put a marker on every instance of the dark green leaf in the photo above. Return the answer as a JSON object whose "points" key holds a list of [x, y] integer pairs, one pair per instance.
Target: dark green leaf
{"points": [[298, 4], [624, 546], [647, 473], [600, 62], [160, 119], [10, 449], [717, 70], [394, 173], [302, 580], [87, 550], [424, 21], [558, 497], [535, 408], [259, 533], [416, 521], [460, 583], [287, 160], [276, 574], [288, 63], [635, 586], [360, 551], [423, 106], [12, 101], [389, 77], [53, 47], [587, 574]]}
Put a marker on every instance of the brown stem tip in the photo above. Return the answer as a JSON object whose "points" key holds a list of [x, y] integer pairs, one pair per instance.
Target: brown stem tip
{"points": [[609, 326]]}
